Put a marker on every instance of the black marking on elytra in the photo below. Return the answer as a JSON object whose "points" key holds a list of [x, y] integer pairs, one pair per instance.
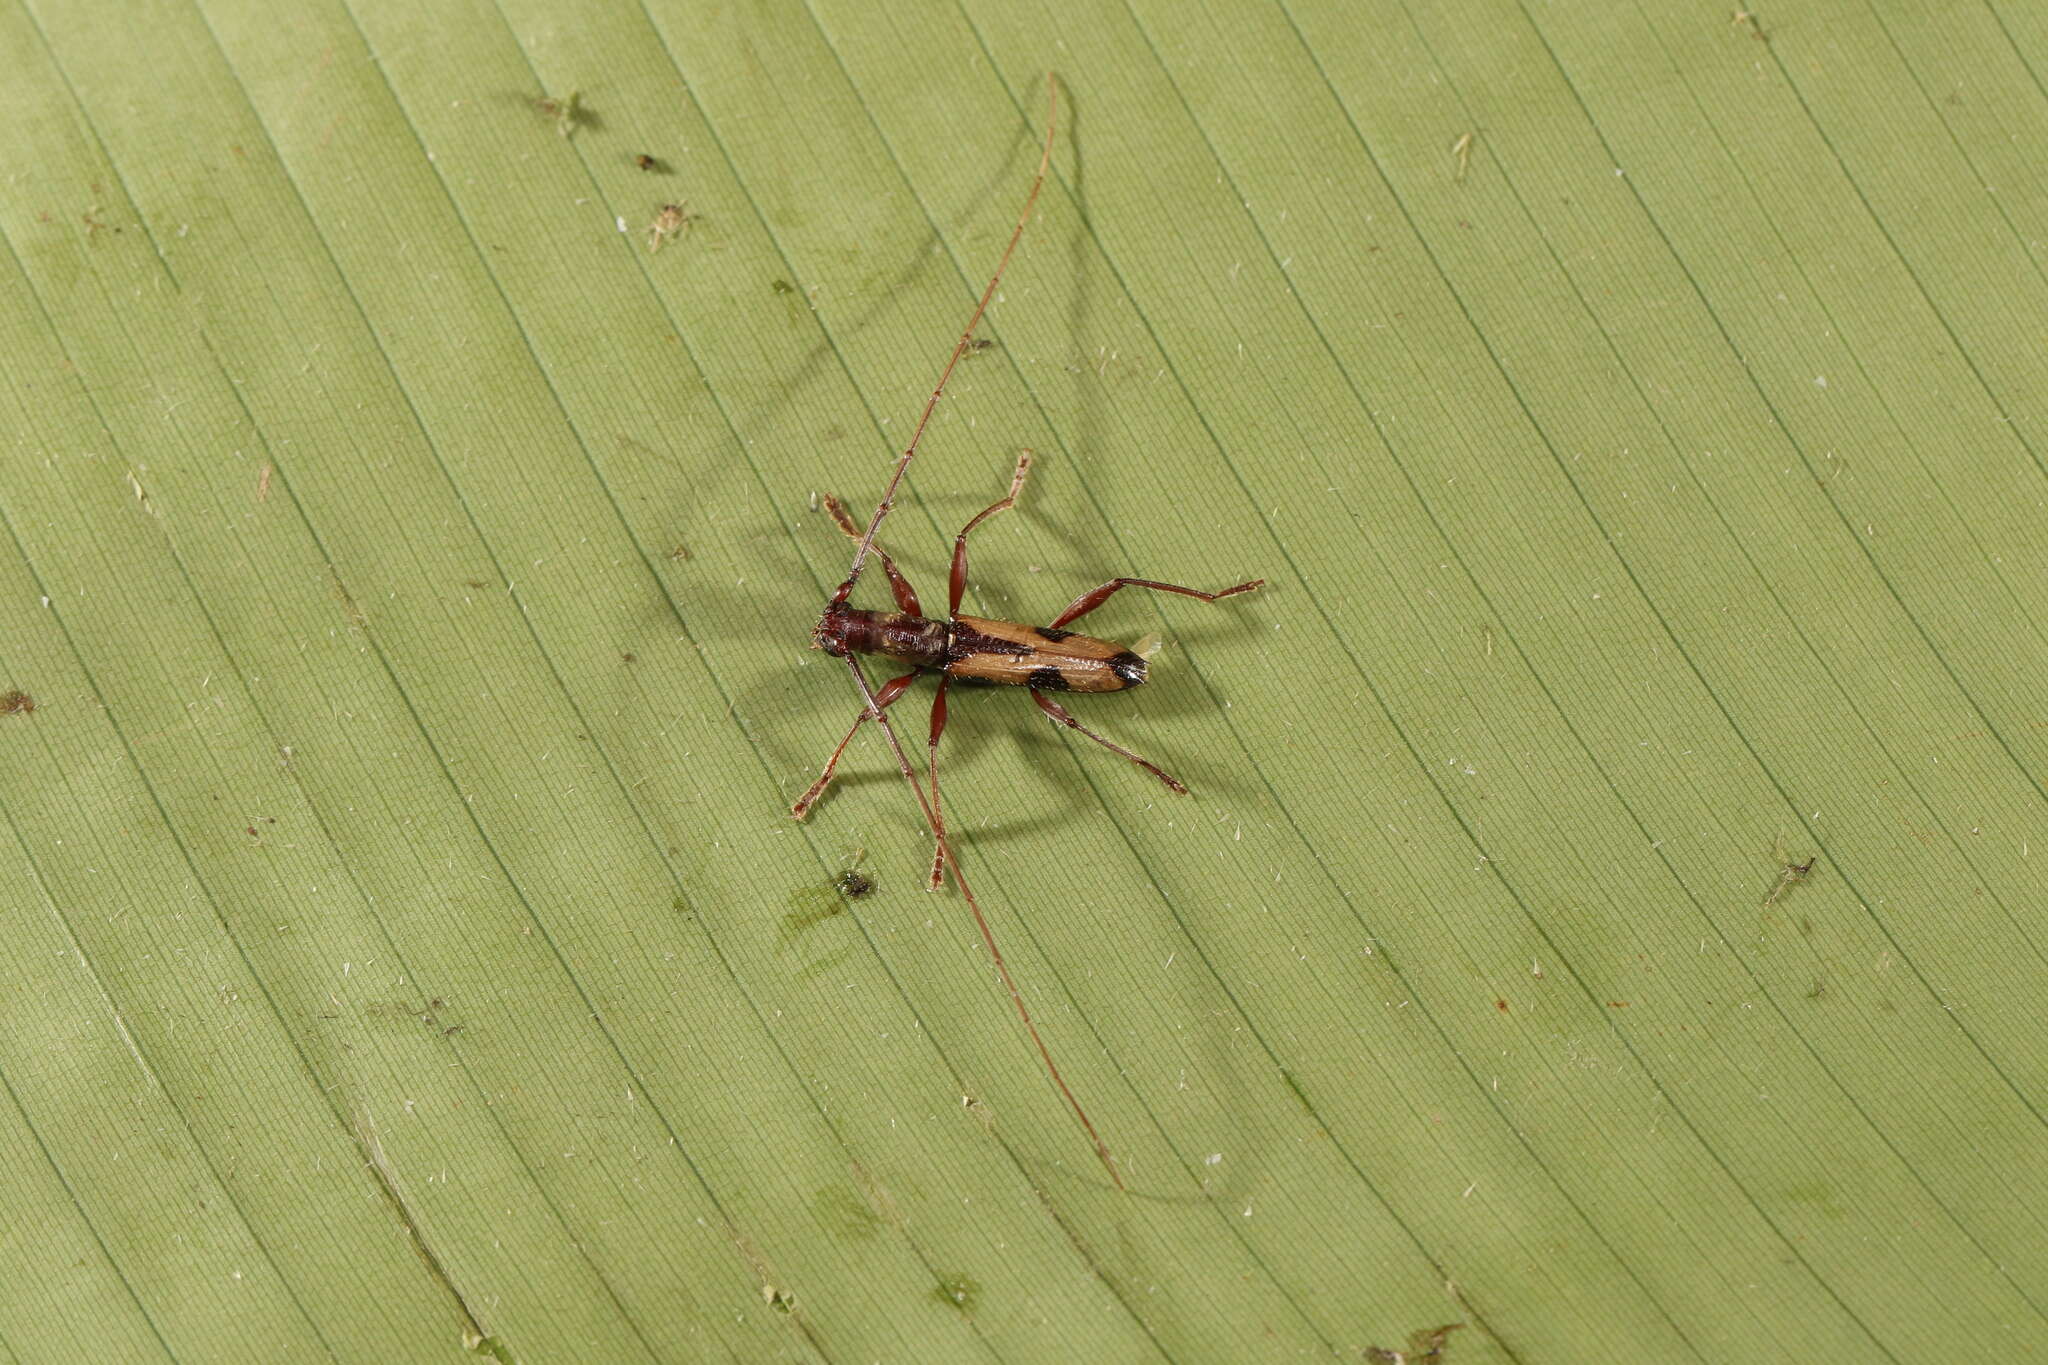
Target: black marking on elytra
{"points": [[1052, 634], [965, 641], [1048, 680], [1130, 667]]}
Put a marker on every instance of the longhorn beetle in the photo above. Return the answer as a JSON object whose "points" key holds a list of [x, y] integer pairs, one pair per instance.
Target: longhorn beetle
{"points": [[974, 649]]}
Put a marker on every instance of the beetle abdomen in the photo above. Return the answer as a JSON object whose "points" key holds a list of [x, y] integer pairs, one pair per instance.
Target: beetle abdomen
{"points": [[1007, 653]]}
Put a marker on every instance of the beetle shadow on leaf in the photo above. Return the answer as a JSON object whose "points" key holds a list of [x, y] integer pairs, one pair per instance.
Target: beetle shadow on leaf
{"points": [[825, 351]]}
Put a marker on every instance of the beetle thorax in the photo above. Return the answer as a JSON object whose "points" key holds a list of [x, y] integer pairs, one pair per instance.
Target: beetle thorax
{"points": [[896, 635]]}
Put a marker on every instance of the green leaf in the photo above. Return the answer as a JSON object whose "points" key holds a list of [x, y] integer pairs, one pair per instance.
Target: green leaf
{"points": [[1604, 920]]}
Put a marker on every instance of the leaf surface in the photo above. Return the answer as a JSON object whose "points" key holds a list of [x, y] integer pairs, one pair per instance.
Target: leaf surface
{"points": [[1604, 916]]}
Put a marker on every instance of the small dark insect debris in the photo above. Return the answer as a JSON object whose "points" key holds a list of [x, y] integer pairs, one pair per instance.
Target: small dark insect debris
{"points": [[16, 703], [1788, 877], [630, 658], [474, 583], [981, 345], [673, 221], [853, 885], [1426, 1346], [648, 163], [681, 551], [1501, 1005], [783, 287]]}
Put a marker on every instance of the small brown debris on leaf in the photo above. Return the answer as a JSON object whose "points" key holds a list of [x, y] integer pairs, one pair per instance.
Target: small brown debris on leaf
{"points": [[1788, 877], [16, 703], [673, 221], [648, 163]]}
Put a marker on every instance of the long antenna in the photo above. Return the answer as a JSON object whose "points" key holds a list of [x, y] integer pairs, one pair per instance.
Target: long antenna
{"points": [[924, 418], [988, 937], [874, 707]]}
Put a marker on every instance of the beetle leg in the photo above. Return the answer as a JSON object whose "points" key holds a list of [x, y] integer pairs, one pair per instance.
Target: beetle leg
{"points": [[906, 596], [1089, 601], [958, 586], [1061, 716], [891, 690], [938, 873]]}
